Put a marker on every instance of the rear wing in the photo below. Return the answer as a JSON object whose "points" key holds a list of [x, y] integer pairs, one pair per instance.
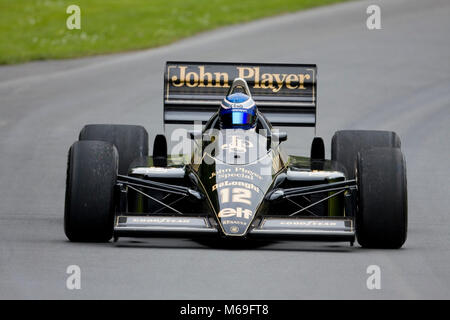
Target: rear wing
{"points": [[284, 93]]}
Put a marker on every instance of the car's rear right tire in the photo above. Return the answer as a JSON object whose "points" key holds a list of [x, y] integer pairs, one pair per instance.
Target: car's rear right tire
{"points": [[131, 141], [382, 206], [89, 202]]}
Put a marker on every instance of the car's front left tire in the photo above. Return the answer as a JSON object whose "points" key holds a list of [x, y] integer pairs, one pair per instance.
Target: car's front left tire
{"points": [[89, 202]]}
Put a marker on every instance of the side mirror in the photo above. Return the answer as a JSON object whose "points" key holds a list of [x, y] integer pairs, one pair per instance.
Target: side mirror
{"points": [[279, 135]]}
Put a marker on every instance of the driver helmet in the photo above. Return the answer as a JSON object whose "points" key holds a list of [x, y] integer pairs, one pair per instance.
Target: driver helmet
{"points": [[238, 110]]}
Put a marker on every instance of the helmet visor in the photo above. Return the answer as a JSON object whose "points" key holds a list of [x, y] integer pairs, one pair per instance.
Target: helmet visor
{"points": [[238, 119]]}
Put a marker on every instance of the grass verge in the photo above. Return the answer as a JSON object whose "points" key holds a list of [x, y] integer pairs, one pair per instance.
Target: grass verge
{"points": [[36, 29]]}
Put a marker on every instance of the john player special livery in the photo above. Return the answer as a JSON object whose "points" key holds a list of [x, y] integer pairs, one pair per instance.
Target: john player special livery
{"points": [[234, 180]]}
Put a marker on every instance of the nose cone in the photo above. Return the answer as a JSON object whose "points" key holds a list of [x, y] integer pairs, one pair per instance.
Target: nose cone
{"points": [[237, 203], [236, 179]]}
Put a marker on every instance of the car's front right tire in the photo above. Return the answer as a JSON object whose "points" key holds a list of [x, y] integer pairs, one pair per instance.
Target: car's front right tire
{"points": [[89, 203], [382, 206]]}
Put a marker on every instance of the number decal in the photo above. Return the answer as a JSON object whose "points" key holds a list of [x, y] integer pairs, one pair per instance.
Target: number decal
{"points": [[225, 195], [240, 195]]}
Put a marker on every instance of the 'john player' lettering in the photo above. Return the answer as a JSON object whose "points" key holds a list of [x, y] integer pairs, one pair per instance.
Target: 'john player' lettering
{"points": [[273, 81], [194, 79]]}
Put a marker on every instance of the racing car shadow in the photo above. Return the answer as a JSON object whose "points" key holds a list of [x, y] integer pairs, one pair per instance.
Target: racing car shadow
{"points": [[234, 245]]}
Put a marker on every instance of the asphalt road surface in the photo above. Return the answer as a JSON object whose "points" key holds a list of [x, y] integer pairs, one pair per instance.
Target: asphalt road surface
{"points": [[396, 78]]}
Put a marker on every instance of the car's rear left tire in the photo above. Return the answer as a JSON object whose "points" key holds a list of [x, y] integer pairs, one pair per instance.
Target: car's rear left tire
{"points": [[382, 208], [89, 202], [346, 144]]}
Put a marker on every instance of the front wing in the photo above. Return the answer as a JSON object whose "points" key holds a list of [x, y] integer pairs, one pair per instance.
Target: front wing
{"points": [[270, 227]]}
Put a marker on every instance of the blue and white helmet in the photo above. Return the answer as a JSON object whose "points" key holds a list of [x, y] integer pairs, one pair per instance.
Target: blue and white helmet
{"points": [[238, 110]]}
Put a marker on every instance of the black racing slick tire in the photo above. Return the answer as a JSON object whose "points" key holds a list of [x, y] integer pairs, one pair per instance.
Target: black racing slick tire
{"points": [[131, 141], [89, 203], [346, 144], [382, 206]]}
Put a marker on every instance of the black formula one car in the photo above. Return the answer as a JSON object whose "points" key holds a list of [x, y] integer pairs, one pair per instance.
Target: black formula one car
{"points": [[234, 180]]}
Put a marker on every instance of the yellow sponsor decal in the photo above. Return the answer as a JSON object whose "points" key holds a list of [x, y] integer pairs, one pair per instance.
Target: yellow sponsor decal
{"points": [[243, 184], [198, 77], [237, 172], [238, 213], [226, 222]]}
